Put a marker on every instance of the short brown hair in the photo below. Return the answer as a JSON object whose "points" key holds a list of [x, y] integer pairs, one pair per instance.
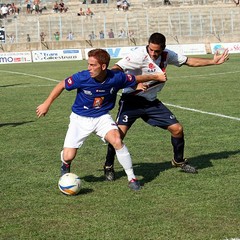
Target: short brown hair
{"points": [[101, 55]]}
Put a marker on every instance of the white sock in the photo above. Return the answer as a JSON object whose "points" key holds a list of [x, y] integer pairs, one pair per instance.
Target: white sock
{"points": [[125, 160]]}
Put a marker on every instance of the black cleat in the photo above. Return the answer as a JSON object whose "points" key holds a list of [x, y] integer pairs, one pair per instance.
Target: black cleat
{"points": [[185, 167], [65, 168], [134, 185], [109, 173]]}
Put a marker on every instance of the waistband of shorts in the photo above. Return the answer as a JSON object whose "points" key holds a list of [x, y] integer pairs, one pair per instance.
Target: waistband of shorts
{"points": [[137, 99]]}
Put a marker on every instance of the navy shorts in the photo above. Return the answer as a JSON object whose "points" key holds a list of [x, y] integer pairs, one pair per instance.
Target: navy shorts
{"points": [[155, 113]]}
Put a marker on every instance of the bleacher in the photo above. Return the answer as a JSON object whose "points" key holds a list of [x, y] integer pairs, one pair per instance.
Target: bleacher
{"points": [[183, 21]]}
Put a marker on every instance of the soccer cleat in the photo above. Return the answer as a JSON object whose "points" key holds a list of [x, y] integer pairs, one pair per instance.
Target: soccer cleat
{"points": [[134, 185], [109, 173], [65, 168], [184, 166]]}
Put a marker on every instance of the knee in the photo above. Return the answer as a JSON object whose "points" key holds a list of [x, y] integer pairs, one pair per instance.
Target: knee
{"points": [[117, 143], [176, 130]]}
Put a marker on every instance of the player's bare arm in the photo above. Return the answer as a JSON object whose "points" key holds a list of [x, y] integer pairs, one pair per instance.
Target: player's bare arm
{"points": [[201, 62], [161, 77], [43, 108]]}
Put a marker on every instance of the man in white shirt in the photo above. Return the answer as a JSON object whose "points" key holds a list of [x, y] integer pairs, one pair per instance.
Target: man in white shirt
{"points": [[134, 104]]}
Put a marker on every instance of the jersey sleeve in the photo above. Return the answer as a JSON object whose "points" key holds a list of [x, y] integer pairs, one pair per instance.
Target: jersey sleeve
{"points": [[176, 59], [74, 81]]}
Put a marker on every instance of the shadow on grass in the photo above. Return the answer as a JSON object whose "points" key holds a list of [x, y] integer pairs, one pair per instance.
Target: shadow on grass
{"points": [[14, 124], [150, 171]]}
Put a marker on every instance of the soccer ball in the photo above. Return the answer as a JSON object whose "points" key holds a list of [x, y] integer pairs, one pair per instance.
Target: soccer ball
{"points": [[69, 184]]}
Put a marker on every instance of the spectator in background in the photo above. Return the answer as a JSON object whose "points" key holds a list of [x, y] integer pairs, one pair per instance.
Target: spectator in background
{"points": [[29, 6], [28, 38], [119, 4], [42, 36], [4, 11], [70, 36], [92, 36], [101, 34], [81, 12], [62, 7], [55, 7], [89, 12], [111, 34], [57, 36], [11, 38], [236, 2], [122, 34]]}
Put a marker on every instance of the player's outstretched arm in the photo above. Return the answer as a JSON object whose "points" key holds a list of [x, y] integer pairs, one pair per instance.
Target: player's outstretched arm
{"points": [[161, 77], [43, 108], [201, 62]]}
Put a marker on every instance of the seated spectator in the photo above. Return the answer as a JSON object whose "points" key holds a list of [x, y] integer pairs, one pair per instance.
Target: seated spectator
{"points": [[62, 7], [70, 36], [81, 12], [119, 4], [111, 34], [55, 7], [57, 36], [125, 5], [42, 36], [4, 10], [89, 12], [122, 34]]}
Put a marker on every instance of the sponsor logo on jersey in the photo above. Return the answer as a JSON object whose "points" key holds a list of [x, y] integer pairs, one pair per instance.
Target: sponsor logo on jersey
{"points": [[151, 68], [112, 90], [97, 103], [69, 81], [87, 92], [129, 77], [100, 90]]}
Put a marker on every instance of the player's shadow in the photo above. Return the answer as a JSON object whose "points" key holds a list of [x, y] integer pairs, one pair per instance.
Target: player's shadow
{"points": [[150, 171], [14, 124]]}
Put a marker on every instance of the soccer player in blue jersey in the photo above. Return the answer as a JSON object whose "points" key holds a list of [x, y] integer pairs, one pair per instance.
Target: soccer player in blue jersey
{"points": [[145, 105], [97, 90]]}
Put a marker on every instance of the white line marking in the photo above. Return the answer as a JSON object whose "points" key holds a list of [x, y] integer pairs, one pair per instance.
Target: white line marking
{"points": [[200, 111], [31, 75], [168, 104]]}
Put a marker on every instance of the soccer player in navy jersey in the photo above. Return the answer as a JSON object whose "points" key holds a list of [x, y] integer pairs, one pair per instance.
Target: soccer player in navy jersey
{"points": [[97, 90], [145, 105]]}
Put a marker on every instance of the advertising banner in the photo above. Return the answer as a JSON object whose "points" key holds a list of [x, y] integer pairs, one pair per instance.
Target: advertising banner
{"points": [[15, 57], [232, 47], [57, 55]]}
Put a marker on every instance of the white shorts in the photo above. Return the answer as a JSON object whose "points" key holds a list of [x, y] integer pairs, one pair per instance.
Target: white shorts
{"points": [[81, 127]]}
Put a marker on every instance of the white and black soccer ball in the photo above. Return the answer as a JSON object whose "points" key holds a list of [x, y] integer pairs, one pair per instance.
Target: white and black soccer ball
{"points": [[69, 184]]}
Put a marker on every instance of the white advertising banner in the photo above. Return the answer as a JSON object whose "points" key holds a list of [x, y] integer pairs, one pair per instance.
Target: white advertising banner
{"points": [[232, 47], [15, 57], [57, 55], [187, 49]]}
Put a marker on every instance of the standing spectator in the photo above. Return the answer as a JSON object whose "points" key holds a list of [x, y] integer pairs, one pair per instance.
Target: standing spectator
{"points": [[101, 34], [111, 34], [11, 38], [28, 38], [92, 36], [62, 7], [42, 36], [57, 36], [122, 34], [125, 5], [70, 36]]}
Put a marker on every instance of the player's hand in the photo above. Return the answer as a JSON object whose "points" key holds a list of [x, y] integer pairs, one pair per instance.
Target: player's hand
{"points": [[142, 87], [161, 77], [221, 58], [41, 110]]}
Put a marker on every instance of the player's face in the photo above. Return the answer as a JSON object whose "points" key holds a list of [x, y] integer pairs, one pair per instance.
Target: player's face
{"points": [[154, 51], [95, 69]]}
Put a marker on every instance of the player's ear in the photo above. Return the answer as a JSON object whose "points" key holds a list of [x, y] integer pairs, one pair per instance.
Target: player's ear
{"points": [[104, 66], [163, 46]]}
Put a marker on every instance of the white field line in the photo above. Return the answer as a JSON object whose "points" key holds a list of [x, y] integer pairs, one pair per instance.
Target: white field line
{"points": [[168, 104]]}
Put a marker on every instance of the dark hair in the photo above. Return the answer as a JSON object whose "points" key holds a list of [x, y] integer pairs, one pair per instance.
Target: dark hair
{"points": [[101, 55], [158, 38]]}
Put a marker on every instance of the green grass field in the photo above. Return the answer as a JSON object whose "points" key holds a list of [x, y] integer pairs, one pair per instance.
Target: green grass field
{"points": [[171, 204]]}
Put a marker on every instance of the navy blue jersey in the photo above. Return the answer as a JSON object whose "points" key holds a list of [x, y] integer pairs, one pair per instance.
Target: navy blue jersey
{"points": [[93, 98]]}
